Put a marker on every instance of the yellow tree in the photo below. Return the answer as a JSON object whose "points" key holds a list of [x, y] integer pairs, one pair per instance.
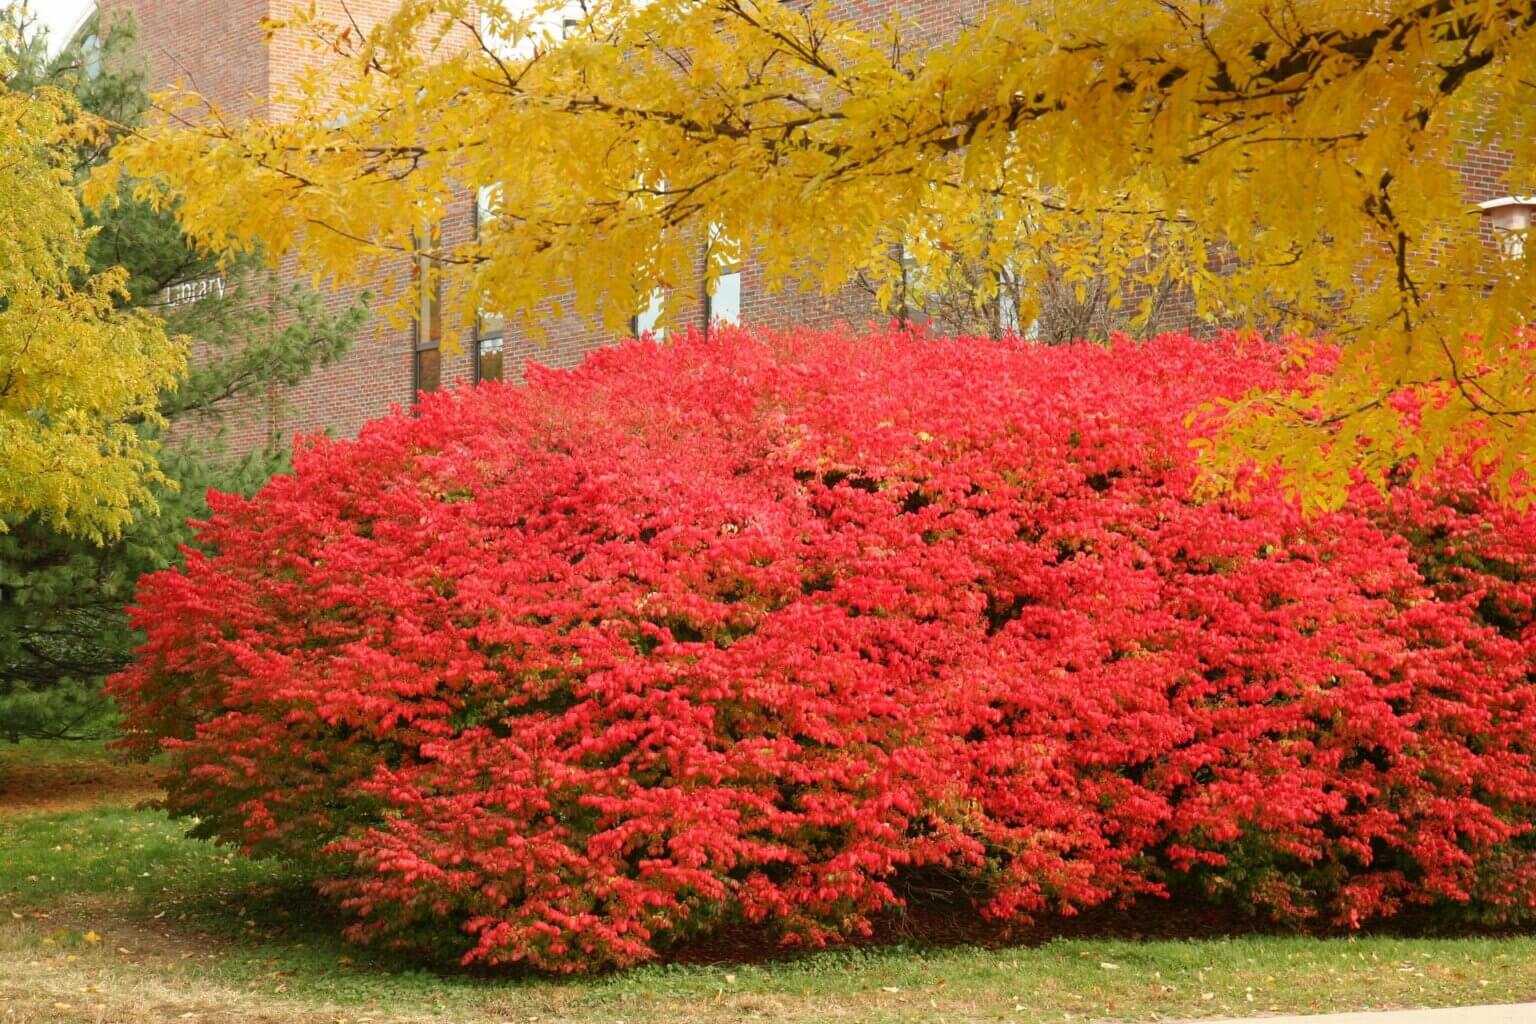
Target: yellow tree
{"points": [[77, 375], [1301, 145]]}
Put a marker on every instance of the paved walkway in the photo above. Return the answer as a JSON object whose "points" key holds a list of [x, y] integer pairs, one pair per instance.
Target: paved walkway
{"points": [[1520, 1013]]}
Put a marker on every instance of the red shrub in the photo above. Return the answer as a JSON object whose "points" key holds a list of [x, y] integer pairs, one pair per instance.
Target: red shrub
{"points": [[745, 628]]}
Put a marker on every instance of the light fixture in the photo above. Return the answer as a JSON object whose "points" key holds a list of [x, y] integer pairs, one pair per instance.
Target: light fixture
{"points": [[1510, 218]]}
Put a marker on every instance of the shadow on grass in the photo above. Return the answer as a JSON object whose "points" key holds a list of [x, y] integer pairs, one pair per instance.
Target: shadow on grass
{"points": [[186, 896], [289, 916]]}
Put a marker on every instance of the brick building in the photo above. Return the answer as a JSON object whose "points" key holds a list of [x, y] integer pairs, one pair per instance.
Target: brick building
{"points": [[218, 47]]}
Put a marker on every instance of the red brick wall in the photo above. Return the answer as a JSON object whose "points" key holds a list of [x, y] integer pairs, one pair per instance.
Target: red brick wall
{"points": [[214, 47]]}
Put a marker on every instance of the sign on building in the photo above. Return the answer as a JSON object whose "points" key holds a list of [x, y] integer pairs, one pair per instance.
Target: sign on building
{"points": [[183, 292]]}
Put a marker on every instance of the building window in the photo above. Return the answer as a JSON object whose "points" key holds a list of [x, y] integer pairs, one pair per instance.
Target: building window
{"points": [[500, 36], [488, 359], [1007, 302], [723, 256], [428, 372], [429, 369], [490, 328], [491, 325], [487, 197], [648, 320], [90, 49], [724, 305], [487, 202], [913, 296]]}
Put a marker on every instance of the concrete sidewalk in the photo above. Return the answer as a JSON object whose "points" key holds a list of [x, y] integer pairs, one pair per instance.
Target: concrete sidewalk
{"points": [[1518, 1013]]}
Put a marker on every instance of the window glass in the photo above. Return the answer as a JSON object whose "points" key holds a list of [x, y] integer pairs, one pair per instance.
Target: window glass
{"points": [[648, 321], [725, 303], [428, 363], [487, 201], [434, 313], [723, 254], [91, 50], [429, 369], [914, 295], [1007, 302], [557, 24], [429, 285], [489, 364], [491, 325]]}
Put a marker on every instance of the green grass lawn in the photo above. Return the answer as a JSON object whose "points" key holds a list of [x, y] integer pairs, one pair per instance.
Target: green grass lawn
{"points": [[108, 913]]}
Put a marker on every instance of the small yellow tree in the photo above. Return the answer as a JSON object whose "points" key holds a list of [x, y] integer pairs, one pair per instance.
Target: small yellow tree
{"points": [[76, 374], [1302, 145]]}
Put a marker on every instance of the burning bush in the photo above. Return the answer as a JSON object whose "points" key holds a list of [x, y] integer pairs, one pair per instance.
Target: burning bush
{"points": [[750, 628]]}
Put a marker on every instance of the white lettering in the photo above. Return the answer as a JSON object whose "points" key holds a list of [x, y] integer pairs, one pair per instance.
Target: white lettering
{"points": [[192, 291]]}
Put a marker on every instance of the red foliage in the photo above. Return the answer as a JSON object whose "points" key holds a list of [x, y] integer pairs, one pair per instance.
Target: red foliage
{"points": [[751, 628]]}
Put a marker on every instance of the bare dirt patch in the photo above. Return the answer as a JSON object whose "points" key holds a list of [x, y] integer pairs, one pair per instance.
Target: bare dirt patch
{"points": [[74, 784]]}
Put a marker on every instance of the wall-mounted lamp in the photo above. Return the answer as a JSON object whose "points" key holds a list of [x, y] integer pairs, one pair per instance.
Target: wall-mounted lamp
{"points": [[1510, 218]]}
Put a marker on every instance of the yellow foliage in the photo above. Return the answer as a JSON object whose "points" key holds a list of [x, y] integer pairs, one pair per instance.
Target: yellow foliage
{"points": [[1301, 144], [76, 374]]}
